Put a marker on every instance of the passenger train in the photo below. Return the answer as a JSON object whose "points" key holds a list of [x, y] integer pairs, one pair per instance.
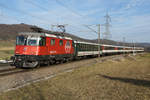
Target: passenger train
{"points": [[33, 49]]}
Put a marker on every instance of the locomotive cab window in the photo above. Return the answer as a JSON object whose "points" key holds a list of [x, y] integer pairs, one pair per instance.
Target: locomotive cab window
{"points": [[73, 44], [21, 40], [32, 41], [60, 42], [42, 41], [52, 41]]}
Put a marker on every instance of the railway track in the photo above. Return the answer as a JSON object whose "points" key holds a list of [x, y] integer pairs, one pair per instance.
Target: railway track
{"points": [[6, 72], [4, 64], [9, 70], [6, 69]]}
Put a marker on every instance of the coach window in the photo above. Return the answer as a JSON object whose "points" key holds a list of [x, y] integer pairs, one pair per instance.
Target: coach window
{"points": [[89, 46], [81, 46], [52, 41], [60, 42]]}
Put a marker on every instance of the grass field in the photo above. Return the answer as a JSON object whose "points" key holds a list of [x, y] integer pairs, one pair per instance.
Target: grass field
{"points": [[10, 43], [6, 54], [6, 49], [116, 79]]}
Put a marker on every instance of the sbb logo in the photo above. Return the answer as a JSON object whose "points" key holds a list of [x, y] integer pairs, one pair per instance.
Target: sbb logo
{"points": [[67, 47]]}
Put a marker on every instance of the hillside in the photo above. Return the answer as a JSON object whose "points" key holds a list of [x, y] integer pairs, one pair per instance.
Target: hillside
{"points": [[9, 32]]}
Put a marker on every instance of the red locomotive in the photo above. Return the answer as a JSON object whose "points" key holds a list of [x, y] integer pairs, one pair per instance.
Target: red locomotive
{"points": [[34, 48]]}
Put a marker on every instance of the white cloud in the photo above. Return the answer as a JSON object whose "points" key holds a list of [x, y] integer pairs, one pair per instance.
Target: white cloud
{"points": [[133, 3]]}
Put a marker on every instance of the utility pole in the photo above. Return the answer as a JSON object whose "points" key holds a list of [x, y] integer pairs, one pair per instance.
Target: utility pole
{"points": [[97, 32], [124, 40], [98, 39], [134, 49]]}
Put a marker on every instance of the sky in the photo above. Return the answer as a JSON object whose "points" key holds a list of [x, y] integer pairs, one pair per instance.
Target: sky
{"points": [[130, 19]]}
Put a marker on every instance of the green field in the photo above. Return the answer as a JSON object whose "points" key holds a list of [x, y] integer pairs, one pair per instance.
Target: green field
{"points": [[6, 49], [115, 79]]}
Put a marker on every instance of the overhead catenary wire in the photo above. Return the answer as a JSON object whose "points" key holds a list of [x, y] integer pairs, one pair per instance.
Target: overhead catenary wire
{"points": [[29, 14], [22, 12], [45, 9], [74, 29], [35, 4], [91, 28], [59, 2], [67, 7]]}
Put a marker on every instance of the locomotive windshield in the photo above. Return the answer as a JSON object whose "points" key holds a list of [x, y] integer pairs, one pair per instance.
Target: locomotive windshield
{"points": [[36, 41], [31, 41], [21, 40]]}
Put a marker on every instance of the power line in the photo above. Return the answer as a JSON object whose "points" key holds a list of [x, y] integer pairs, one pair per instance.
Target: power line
{"points": [[46, 9], [23, 12], [67, 7], [75, 29], [57, 1], [62, 4], [97, 32], [70, 9], [91, 28], [35, 4]]}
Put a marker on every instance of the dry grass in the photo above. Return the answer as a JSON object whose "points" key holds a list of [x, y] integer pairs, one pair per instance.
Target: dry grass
{"points": [[123, 79], [6, 49], [10, 43], [6, 54]]}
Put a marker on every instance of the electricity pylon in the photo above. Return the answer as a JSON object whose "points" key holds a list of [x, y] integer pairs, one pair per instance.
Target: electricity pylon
{"points": [[107, 25]]}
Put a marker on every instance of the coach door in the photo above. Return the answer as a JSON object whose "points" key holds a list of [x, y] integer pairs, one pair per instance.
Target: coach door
{"points": [[52, 46]]}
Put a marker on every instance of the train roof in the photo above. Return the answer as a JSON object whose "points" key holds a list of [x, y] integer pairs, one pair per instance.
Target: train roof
{"points": [[44, 35], [69, 38], [86, 43], [106, 45]]}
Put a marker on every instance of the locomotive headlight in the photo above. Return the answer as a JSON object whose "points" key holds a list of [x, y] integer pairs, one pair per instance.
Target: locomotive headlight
{"points": [[18, 59]]}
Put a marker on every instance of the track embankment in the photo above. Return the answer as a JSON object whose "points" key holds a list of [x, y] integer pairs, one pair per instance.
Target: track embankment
{"points": [[109, 78], [11, 77]]}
